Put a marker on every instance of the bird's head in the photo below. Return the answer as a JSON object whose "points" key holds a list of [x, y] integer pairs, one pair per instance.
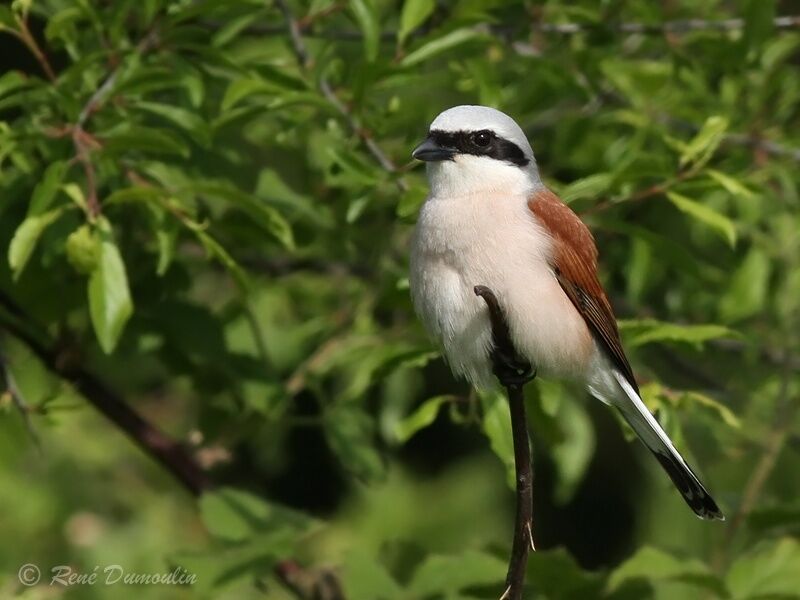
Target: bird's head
{"points": [[477, 149]]}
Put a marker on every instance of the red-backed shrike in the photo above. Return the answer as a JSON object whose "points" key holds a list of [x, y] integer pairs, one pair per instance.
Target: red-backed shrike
{"points": [[489, 220]]}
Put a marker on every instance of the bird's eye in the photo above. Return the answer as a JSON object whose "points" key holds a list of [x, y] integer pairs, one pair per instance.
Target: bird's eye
{"points": [[481, 138]]}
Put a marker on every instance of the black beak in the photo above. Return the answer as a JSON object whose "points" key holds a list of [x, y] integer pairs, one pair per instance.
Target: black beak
{"points": [[430, 151]]}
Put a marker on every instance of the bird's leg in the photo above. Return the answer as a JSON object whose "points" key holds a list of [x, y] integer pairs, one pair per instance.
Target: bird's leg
{"points": [[514, 371], [510, 368]]}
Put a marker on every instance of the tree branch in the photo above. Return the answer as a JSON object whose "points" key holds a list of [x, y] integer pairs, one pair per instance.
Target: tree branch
{"points": [[300, 49], [19, 401], [775, 442], [82, 140], [782, 23], [163, 449], [26, 37], [309, 584], [678, 26], [513, 371]]}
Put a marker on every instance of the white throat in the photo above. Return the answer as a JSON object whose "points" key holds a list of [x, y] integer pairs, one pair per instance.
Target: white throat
{"points": [[468, 174]]}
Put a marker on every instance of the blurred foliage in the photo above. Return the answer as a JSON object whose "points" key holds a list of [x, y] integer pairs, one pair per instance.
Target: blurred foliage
{"points": [[214, 218]]}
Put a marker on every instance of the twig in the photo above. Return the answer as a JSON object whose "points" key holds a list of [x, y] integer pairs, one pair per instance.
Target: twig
{"points": [[166, 451], [304, 58], [750, 140], [19, 401], [309, 584], [82, 140], [513, 371], [648, 192], [768, 146], [679, 26], [26, 37], [776, 439]]}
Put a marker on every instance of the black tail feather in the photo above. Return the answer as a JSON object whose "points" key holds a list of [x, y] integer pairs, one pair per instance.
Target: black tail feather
{"points": [[693, 492]]}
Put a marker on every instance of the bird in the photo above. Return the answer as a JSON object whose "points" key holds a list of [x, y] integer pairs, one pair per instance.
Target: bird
{"points": [[489, 220]]}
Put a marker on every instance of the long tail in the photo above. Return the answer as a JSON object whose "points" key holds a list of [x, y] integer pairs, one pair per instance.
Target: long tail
{"points": [[650, 432]]}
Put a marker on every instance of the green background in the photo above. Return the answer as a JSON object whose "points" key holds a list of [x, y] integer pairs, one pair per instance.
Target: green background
{"points": [[212, 217]]}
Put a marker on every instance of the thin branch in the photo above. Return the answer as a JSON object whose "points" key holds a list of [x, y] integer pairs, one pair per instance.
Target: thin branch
{"points": [[678, 26], [736, 139], [786, 22], [299, 29], [775, 442], [300, 49], [758, 143], [24, 34], [309, 584], [82, 140], [514, 371], [163, 449], [19, 400]]}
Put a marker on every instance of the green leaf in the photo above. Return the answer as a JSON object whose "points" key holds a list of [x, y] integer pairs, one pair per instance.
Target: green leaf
{"points": [[724, 413], [439, 45], [239, 89], [422, 417], [785, 516], [414, 13], [12, 81], [110, 303], [573, 452], [349, 432], [167, 240], [263, 213], [232, 27], [702, 147], [75, 193], [497, 427], [443, 575], [749, 285], [733, 186], [363, 576], [356, 208], [652, 566], [647, 331], [558, 576], [187, 120], [366, 16], [215, 250], [411, 201], [191, 80], [7, 20], [588, 187], [146, 139], [720, 223], [759, 18], [26, 237], [770, 570], [45, 191], [235, 515], [136, 193]]}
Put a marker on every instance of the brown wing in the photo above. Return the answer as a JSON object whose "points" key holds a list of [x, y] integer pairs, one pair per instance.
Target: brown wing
{"points": [[575, 266]]}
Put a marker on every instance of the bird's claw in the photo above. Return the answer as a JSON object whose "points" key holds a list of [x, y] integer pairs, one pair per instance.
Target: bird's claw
{"points": [[511, 371], [508, 366]]}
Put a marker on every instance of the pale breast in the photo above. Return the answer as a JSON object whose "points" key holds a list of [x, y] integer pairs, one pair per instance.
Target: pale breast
{"points": [[494, 241]]}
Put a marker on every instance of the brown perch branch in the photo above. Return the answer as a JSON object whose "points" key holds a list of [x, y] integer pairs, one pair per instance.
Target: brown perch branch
{"points": [[514, 372]]}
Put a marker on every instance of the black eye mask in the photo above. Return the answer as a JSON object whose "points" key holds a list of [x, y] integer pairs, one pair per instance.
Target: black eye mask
{"points": [[465, 142]]}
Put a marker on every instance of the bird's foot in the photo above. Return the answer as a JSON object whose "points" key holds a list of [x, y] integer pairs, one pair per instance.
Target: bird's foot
{"points": [[511, 370], [508, 366]]}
